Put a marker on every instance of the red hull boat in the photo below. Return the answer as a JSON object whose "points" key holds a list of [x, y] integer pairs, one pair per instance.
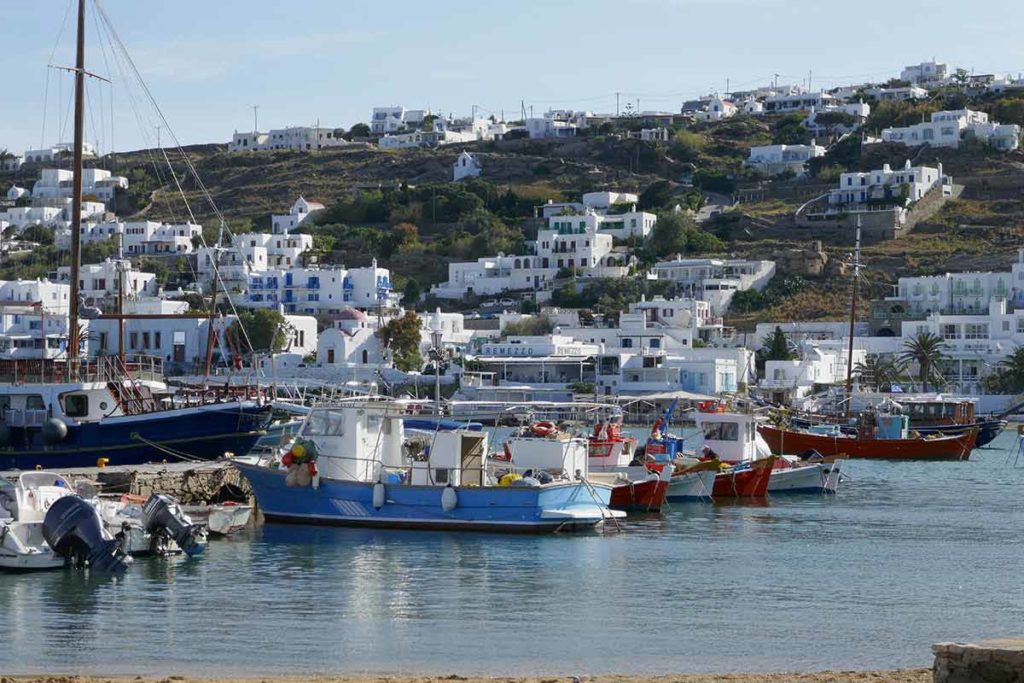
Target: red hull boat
{"points": [[639, 496], [955, 447], [745, 482]]}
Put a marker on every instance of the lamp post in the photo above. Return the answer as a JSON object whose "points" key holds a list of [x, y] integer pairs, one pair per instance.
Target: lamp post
{"points": [[437, 355]]}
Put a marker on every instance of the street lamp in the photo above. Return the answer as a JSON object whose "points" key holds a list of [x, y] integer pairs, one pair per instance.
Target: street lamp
{"points": [[437, 355]]}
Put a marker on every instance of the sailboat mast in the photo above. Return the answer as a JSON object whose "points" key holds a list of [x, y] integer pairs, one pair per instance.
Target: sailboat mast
{"points": [[853, 320], [76, 189]]}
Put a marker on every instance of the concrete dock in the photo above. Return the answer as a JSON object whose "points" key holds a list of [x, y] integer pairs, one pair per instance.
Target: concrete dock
{"points": [[189, 482], [988, 661]]}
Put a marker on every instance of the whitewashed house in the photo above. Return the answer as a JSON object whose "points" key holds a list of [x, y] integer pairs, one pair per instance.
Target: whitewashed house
{"points": [[64, 149], [784, 103], [715, 281], [302, 210], [948, 128], [820, 364], [716, 109], [56, 183], [15, 193], [100, 282], [903, 185], [298, 138], [926, 72], [466, 166], [396, 119], [321, 291], [771, 160]]}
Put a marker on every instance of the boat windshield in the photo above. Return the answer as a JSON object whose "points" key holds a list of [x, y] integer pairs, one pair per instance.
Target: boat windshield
{"points": [[722, 431], [324, 423]]}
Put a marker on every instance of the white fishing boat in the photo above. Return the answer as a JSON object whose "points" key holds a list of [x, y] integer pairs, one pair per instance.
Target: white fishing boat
{"points": [[792, 475], [22, 509], [221, 519]]}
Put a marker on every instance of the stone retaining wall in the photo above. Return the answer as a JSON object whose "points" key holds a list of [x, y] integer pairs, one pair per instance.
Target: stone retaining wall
{"points": [[990, 661]]}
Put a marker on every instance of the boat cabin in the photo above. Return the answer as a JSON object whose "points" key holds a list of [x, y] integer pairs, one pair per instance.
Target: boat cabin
{"points": [[732, 437], [561, 454], [938, 412]]}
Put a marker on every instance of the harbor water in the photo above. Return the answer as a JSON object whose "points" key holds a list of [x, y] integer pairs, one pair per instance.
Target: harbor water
{"points": [[905, 555]]}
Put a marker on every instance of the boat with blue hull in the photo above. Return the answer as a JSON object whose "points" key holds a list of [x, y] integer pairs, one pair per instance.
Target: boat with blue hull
{"points": [[352, 466]]}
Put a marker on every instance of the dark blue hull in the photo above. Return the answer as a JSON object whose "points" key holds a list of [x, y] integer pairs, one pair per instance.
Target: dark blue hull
{"points": [[201, 432]]}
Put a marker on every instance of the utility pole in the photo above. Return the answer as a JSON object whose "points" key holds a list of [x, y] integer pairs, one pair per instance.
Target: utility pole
{"points": [[809, 74], [727, 87], [255, 119], [617, 104], [775, 87], [158, 146]]}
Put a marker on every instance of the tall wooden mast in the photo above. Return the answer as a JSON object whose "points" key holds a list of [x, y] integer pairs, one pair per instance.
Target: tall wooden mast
{"points": [[76, 190], [853, 321]]}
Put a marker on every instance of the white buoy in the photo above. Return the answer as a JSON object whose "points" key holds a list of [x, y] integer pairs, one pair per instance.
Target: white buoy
{"points": [[378, 495], [449, 499]]}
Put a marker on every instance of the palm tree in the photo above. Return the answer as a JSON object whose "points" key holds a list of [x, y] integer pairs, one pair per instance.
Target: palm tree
{"points": [[927, 351], [878, 372]]}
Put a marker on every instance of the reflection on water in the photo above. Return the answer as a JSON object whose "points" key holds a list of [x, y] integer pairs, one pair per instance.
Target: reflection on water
{"points": [[905, 555]]}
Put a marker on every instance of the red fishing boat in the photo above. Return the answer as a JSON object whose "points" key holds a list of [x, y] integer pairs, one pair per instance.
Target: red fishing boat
{"points": [[867, 444], [746, 480], [635, 487]]}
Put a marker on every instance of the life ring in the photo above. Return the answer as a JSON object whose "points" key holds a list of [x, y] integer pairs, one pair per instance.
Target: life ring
{"points": [[543, 428]]}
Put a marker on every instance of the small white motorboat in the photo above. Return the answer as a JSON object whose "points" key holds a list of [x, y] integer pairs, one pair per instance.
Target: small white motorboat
{"points": [[22, 509], [220, 519], [801, 476]]}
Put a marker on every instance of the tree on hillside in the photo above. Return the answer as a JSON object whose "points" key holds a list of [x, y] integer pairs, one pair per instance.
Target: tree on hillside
{"points": [[264, 329], [776, 346], [926, 351], [360, 130], [402, 337], [658, 195], [670, 233], [790, 130], [528, 327], [37, 234]]}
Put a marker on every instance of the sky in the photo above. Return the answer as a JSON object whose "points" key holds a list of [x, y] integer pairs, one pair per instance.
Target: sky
{"points": [[207, 62]]}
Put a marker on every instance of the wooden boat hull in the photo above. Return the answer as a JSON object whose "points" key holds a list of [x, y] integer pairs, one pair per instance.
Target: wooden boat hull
{"points": [[956, 447], [744, 482], [639, 496]]}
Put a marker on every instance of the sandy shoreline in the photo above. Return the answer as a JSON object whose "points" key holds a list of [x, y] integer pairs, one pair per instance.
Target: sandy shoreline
{"points": [[890, 676]]}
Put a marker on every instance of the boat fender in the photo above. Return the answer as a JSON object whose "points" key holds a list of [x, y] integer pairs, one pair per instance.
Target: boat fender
{"points": [[55, 430], [449, 499], [378, 495], [292, 478], [288, 459], [303, 478]]}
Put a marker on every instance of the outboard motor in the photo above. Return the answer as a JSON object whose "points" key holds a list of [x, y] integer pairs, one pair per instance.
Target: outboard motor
{"points": [[73, 529], [164, 519]]}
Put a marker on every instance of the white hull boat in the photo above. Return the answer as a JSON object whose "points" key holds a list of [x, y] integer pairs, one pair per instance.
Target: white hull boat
{"points": [[220, 520], [691, 486], [22, 509], [820, 478]]}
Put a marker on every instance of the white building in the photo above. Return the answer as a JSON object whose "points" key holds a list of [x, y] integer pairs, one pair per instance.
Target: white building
{"points": [[12, 162], [15, 193], [466, 166], [716, 109], [100, 282], [551, 125], [715, 280], [438, 136], [323, 291], [23, 329], [820, 364], [56, 183], [302, 210], [396, 119], [797, 102], [49, 154], [302, 138], [926, 72], [52, 296], [50, 213], [152, 238], [858, 113], [961, 293], [773, 160], [948, 128], [911, 92], [903, 185]]}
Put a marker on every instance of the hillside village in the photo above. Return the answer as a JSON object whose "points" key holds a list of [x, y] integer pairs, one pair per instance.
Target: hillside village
{"points": [[701, 250]]}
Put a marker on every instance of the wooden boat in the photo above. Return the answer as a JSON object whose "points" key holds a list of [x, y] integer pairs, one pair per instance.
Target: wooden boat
{"points": [[636, 488], [744, 480], [866, 445], [793, 475]]}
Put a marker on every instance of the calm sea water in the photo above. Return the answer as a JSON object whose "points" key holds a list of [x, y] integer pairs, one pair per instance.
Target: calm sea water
{"points": [[907, 554]]}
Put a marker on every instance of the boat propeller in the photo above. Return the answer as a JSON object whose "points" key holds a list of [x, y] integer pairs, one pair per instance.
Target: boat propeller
{"points": [[73, 529]]}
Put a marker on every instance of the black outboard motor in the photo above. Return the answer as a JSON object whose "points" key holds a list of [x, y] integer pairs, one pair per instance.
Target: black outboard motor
{"points": [[164, 519], [72, 528]]}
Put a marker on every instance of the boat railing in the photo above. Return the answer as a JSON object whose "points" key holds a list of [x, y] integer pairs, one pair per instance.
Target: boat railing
{"points": [[91, 369]]}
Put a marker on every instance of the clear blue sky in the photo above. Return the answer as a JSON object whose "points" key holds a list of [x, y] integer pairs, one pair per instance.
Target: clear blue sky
{"points": [[208, 61]]}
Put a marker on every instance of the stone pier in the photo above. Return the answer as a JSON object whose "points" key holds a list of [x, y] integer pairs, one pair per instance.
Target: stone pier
{"points": [[988, 661], [191, 483]]}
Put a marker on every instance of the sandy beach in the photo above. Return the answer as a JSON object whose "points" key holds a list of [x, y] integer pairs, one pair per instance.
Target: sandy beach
{"points": [[890, 676]]}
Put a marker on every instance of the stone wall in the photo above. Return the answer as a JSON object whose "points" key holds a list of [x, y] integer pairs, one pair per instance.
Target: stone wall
{"points": [[990, 661]]}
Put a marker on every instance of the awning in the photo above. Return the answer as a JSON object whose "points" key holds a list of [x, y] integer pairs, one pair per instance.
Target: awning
{"points": [[663, 396]]}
